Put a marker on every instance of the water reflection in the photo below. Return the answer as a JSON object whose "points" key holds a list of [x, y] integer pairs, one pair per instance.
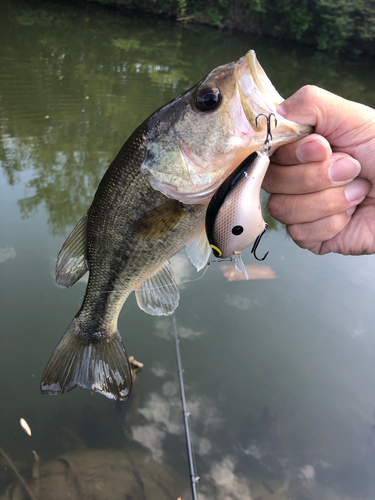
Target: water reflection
{"points": [[6, 254], [259, 465], [76, 101], [66, 109]]}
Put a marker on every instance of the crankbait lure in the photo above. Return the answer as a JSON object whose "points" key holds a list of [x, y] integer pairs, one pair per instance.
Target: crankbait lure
{"points": [[234, 217]]}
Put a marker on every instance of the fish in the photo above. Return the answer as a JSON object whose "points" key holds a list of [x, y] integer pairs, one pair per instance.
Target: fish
{"points": [[149, 205], [234, 217]]}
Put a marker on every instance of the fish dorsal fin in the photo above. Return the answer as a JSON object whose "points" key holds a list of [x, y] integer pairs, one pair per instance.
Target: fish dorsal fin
{"points": [[159, 295], [159, 222], [72, 260], [199, 250]]}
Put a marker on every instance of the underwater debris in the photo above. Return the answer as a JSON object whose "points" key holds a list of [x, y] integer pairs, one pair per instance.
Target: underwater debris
{"points": [[135, 366], [22, 481], [101, 474], [25, 426]]}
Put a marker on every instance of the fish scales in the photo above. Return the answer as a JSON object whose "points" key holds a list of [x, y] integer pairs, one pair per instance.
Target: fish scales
{"points": [[114, 272], [150, 204]]}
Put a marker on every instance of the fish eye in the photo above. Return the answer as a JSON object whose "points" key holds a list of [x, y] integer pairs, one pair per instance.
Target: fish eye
{"points": [[237, 230], [208, 99]]}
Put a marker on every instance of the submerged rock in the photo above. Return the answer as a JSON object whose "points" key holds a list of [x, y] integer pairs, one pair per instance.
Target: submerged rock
{"points": [[102, 474]]}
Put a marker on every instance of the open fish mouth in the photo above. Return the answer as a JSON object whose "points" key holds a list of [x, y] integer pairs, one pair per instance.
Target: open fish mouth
{"points": [[258, 95], [204, 134]]}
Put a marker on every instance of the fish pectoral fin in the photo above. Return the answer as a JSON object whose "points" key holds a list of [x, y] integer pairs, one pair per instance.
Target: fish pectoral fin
{"points": [[159, 295], [72, 260], [199, 250], [159, 222]]}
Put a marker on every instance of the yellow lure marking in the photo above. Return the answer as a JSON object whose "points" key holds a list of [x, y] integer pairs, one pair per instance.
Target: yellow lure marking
{"points": [[217, 249]]}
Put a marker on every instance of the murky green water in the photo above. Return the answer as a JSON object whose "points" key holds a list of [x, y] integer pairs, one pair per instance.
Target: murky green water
{"points": [[279, 373]]}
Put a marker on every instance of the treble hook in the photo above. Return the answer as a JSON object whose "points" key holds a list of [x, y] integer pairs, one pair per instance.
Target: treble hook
{"points": [[256, 243], [268, 142]]}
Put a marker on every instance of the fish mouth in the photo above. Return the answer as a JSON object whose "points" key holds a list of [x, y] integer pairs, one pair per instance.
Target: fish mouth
{"points": [[190, 170], [258, 95]]}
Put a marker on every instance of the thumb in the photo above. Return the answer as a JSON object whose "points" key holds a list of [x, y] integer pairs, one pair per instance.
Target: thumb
{"points": [[332, 116]]}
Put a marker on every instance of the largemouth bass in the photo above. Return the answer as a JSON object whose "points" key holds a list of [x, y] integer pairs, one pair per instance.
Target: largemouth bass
{"points": [[150, 204]]}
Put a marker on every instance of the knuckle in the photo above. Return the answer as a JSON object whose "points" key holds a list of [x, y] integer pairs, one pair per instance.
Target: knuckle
{"points": [[309, 179], [312, 98], [316, 177], [310, 92], [329, 203], [273, 205], [277, 207], [316, 249], [311, 236], [336, 224], [298, 233]]}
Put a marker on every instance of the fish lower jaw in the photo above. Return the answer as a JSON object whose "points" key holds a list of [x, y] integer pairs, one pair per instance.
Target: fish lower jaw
{"points": [[193, 196], [201, 186], [288, 131]]}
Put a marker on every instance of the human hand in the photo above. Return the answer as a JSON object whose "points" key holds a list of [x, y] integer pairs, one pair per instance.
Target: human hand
{"points": [[314, 183]]}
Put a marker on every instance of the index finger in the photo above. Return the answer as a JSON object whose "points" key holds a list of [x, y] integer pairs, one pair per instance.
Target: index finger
{"points": [[307, 150]]}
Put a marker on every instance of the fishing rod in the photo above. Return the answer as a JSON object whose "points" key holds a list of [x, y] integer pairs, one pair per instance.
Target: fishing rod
{"points": [[193, 478]]}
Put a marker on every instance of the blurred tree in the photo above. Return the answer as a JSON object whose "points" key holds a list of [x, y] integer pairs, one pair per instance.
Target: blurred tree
{"points": [[333, 25]]}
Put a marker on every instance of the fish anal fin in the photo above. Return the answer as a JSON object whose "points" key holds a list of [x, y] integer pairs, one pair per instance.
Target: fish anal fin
{"points": [[199, 250], [159, 222], [101, 366], [159, 295], [72, 260]]}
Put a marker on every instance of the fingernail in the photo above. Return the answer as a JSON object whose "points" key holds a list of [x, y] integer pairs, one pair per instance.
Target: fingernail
{"points": [[344, 169], [351, 211], [356, 190], [281, 110], [312, 151]]}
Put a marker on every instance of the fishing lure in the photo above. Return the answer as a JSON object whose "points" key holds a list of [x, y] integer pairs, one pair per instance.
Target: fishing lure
{"points": [[234, 217]]}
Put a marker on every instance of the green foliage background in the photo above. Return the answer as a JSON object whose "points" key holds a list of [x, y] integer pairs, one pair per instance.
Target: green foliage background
{"points": [[332, 25]]}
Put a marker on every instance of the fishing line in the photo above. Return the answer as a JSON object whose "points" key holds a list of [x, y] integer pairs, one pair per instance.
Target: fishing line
{"points": [[161, 286], [189, 444]]}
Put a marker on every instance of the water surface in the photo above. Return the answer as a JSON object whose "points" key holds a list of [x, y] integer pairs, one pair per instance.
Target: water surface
{"points": [[279, 373]]}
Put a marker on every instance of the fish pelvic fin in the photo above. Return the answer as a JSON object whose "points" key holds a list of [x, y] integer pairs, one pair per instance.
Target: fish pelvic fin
{"points": [[101, 366], [159, 295], [199, 250], [72, 259]]}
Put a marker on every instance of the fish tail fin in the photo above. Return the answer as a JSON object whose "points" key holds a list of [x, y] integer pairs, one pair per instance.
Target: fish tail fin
{"points": [[101, 366]]}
